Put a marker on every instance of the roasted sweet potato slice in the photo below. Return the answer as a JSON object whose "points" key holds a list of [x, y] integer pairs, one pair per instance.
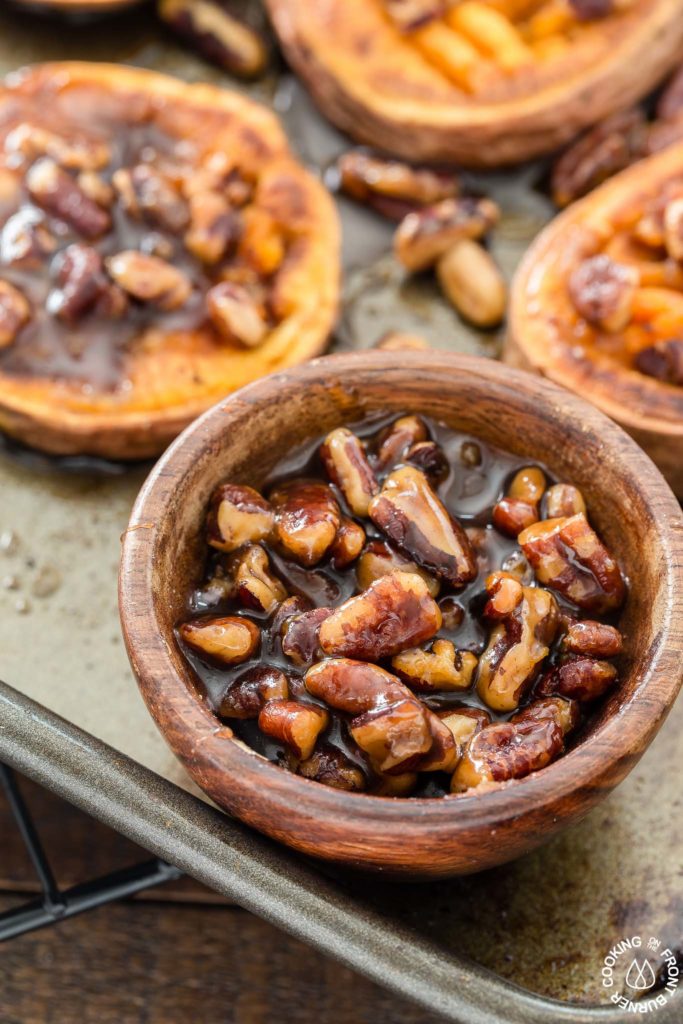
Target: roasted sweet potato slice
{"points": [[202, 255]]}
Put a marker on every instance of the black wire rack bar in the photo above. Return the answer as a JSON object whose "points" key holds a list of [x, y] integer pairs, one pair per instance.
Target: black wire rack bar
{"points": [[55, 905]]}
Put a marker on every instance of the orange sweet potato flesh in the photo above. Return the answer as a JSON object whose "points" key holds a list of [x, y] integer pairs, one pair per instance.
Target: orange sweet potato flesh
{"points": [[171, 376], [377, 84], [546, 334]]}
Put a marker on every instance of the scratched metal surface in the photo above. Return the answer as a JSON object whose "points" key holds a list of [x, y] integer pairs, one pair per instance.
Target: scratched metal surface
{"points": [[545, 921]]}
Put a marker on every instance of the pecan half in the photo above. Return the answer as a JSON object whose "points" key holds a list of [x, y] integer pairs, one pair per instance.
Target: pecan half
{"points": [[148, 193], [518, 644], [78, 154], [214, 227], [505, 593], [563, 500], [594, 639], [379, 558], [409, 512], [511, 750], [249, 693], [464, 723], [441, 668], [396, 612], [15, 313], [395, 736], [345, 462], [236, 314], [391, 187], [610, 147], [663, 361], [398, 439], [228, 640], [149, 279], [425, 235], [567, 555], [211, 28], [238, 515], [25, 239], [307, 518], [348, 543], [301, 635], [354, 687], [55, 191], [81, 282], [256, 586], [296, 725], [519, 509], [429, 457], [472, 282], [331, 767], [578, 678], [96, 188], [602, 291]]}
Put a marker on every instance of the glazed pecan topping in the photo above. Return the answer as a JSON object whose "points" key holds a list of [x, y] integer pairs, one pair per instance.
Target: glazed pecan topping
{"points": [[348, 543], [602, 291], [214, 227], [81, 283], [238, 515], [149, 279], [26, 240], [57, 192], [397, 440], [395, 612], [579, 678], [15, 313], [76, 154], [601, 152], [425, 235], [430, 459], [409, 512], [345, 462], [147, 193], [440, 668], [562, 500], [296, 725], [228, 640], [663, 360], [236, 314], [567, 555], [378, 559], [256, 586], [301, 635], [390, 186], [249, 693], [596, 639], [307, 518], [332, 768], [214, 31]]}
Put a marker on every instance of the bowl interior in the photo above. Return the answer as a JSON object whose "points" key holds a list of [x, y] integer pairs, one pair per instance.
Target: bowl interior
{"points": [[243, 438]]}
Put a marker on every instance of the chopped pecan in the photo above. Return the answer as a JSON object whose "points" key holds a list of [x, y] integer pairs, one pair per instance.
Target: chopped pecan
{"points": [[563, 500], [79, 154], [331, 767], [238, 515], [249, 693], [673, 228], [395, 736], [505, 593], [256, 586], [579, 678], [602, 291], [148, 193], [473, 283], [429, 457], [511, 750], [348, 543], [354, 687], [595, 639], [15, 313], [214, 227], [307, 518], [378, 559], [598, 154], [25, 239], [211, 28], [441, 668], [296, 725], [236, 315], [343, 457], [391, 187], [463, 724], [81, 283], [409, 512], [394, 613], [301, 635], [96, 188], [663, 360], [443, 754], [518, 644], [567, 555], [56, 192], [229, 640], [425, 235], [398, 439], [512, 515], [149, 279]]}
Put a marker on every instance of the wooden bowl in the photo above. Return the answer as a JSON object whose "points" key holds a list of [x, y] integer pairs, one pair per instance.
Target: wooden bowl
{"points": [[241, 439], [541, 323]]}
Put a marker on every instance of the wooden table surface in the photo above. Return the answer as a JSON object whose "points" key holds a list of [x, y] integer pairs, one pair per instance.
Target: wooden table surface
{"points": [[177, 955]]}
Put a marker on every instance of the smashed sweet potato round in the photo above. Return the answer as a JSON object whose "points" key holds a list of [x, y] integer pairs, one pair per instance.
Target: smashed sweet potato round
{"points": [[159, 248], [479, 82], [597, 305]]}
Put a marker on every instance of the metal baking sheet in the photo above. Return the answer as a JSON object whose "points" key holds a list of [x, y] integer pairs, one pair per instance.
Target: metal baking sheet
{"points": [[545, 922]]}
